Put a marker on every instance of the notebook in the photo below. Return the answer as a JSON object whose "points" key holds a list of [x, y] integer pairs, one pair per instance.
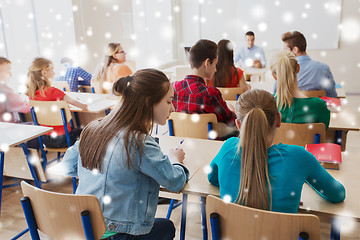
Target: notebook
{"points": [[333, 104], [328, 154]]}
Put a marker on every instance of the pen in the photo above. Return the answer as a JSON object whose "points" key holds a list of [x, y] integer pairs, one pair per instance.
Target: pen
{"points": [[180, 144]]}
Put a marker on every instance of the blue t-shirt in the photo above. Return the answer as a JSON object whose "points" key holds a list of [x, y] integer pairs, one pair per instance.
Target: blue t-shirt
{"points": [[289, 167]]}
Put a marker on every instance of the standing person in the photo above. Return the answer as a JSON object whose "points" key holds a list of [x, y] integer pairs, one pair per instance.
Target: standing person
{"points": [[128, 163], [192, 95], [74, 75], [10, 101], [250, 55], [112, 69], [293, 105], [227, 75], [313, 75], [252, 171], [41, 72]]}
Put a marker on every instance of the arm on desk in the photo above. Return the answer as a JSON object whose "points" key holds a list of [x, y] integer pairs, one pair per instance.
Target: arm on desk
{"points": [[321, 181], [75, 103], [158, 166]]}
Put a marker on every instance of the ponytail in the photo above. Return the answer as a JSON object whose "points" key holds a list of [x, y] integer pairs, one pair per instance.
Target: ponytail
{"points": [[254, 176], [284, 66]]}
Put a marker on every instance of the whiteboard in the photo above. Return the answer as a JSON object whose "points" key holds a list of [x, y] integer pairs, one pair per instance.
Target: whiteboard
{"points": [[318, 20]]}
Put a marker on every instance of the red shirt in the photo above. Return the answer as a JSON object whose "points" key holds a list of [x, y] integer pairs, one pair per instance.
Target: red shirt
{"points": [[235, 78], [52, 94], [191, 95]]}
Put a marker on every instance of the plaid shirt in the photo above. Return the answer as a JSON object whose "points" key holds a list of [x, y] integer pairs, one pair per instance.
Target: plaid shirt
{"points": [[191, 95], [75, 76]]}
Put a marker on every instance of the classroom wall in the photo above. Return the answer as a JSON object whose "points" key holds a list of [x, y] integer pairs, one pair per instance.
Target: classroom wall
{"points": [[97, 23], [344, 61]]}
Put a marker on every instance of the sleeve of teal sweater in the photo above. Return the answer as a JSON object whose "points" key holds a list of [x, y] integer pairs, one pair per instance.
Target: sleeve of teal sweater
{"points": [[213, 174], [318, 178]]}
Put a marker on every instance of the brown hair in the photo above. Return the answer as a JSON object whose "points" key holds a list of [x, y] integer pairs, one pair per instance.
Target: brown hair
{"points": [[202, 50], [284, 66], [294, 39], [250, 33], [99, 77], [225, 64], [134, 116], [36, 81], [4, 60], [256, 110]]}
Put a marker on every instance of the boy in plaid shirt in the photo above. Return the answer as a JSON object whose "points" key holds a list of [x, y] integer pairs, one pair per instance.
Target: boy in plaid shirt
{"points": [[192, 95]]}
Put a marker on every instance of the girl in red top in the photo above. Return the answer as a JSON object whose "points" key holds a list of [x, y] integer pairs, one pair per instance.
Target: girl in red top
{"points": [[227, 75], [39, 88]]}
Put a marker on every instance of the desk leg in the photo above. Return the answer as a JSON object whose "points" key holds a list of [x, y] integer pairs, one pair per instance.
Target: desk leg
{"points": [[77, 121], [335, 229], [338, 137], [31, 167], [203, 217], [107, 111], [2, 158], [183, 217]]}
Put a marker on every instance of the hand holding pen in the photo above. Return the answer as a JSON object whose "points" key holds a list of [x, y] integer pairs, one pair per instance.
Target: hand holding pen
{"points": [[177, 155]]}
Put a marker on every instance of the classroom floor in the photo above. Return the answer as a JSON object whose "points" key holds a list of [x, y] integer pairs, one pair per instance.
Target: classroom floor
{"points": [[12, 219]]}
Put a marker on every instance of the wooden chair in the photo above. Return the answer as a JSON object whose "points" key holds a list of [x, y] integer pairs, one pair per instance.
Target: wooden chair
{"points": [[62, 85], [231, 94], [193, 125], [24, 163], [62, 216], [314, 93], [300, 134], [53, 113], [240, 222]]}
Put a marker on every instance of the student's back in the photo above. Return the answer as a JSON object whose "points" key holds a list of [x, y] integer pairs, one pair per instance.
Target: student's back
{"points": [[192, 95], [293, 105]]}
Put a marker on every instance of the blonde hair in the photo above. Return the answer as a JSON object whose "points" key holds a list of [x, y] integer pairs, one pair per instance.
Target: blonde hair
{"points": [[256, 111], [36, 80], [99, 78], [284, 66]]}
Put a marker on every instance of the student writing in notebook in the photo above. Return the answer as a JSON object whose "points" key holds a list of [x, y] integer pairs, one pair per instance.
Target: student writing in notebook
{"points": [[112, 68], [41, 72], [251, 171], [119, 162], [294, 106], [10, 101]]}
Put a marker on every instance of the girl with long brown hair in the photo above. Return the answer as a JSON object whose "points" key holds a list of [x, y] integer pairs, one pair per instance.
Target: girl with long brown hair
{"points": [[252, 171], [227, 75], [112, 68], [294, 106], [41, 72], [119, 162]]}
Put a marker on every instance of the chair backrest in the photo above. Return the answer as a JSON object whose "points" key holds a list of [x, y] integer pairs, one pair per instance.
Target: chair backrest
{"points": [[231, 93], [48, 112], [240, 222], [193, 125], [314, 93], [17, 166], [58, 215], [62, 85], [300, 134]]}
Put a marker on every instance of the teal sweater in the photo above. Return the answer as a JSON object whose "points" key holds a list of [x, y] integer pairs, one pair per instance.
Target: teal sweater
{"points": [[289, 167]]}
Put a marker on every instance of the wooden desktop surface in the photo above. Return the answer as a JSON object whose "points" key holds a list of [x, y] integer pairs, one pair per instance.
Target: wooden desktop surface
{"points": [[96, 102], [14, 134]]}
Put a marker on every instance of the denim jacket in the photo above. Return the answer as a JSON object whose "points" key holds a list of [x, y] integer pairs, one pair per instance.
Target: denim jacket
{"points": [[128, 197]]}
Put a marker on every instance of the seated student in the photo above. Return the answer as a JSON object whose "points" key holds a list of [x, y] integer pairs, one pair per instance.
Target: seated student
{"points": [[192, 95], [313, 75], [10, 101], [40, 73], [293, 105], [112, 69], [251, 171], [250, 55], [227, 75], [119, 162], [74, 75]]}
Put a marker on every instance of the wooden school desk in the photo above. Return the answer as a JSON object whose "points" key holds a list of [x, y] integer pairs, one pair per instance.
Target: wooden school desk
{"points": [[312, 202], [15, 134], [99, 105], [254, 74], [340, 92]]}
